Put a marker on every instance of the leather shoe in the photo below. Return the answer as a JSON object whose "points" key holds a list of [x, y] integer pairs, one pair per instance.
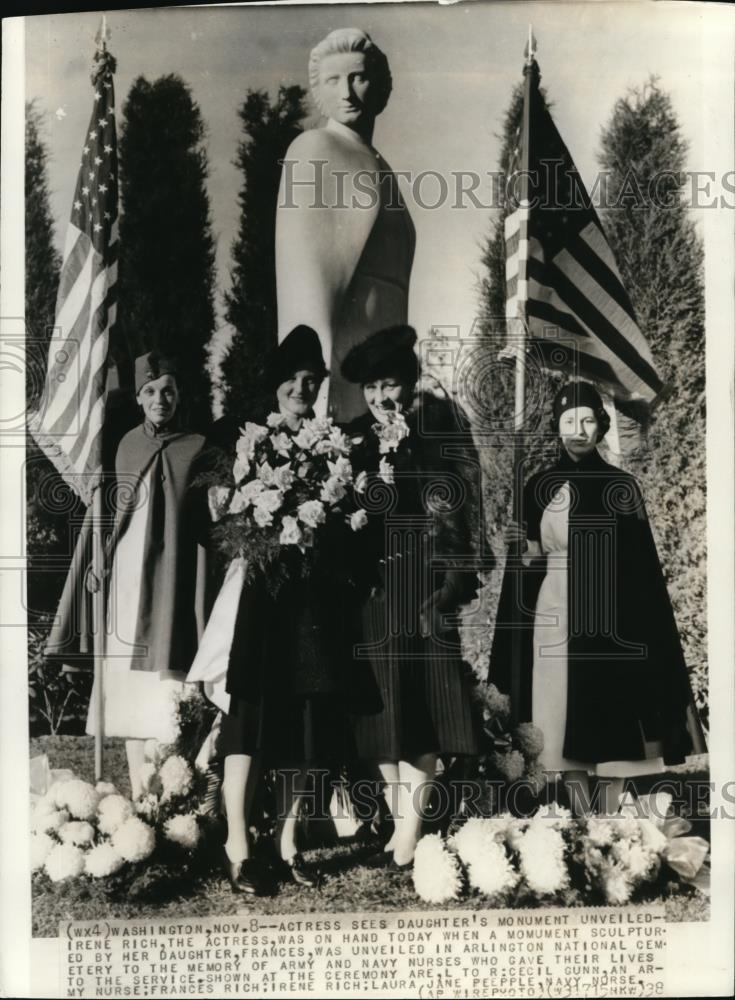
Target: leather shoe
{"points": [[395, 869], [245, 876], [378, 859], [296, 871]]}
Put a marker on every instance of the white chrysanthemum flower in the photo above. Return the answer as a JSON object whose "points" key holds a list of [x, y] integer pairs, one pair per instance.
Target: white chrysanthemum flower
{"points": [[134, 840], [478, 845], [57, 793], [176, 776], [358, 520], [600, 832], [80, 798], [183, 830], [627, 827], [275, 420], [542, 859], [105, 788], [636, 859], [64, 861], [436, 873], [555, 815], [616, 885], [493, 873], [41, 845], [50, 822], [79, 833], [472, 838], [361, 481], [113, 810], [102, 860], [45, 804]]}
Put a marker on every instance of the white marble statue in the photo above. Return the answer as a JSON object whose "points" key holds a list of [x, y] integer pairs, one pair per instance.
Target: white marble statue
{"points": [[344, 237]]}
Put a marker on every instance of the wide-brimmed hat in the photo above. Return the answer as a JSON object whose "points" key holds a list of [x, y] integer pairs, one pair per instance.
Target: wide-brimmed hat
{"points": [[152, 366], [300, 350], [385, 353]]}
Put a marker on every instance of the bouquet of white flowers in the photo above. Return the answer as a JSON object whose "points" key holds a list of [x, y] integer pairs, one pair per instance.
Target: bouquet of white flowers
{"points": [[92, 832], [284, 491], [553, 857]]}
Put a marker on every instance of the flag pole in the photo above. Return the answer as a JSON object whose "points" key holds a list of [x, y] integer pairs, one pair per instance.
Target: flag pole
{"points": [[530, 71], [98, 568], [98, 629]]}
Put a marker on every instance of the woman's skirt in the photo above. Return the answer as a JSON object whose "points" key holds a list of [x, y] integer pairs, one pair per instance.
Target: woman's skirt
{"points": [[550, 682], [137, 704], [286, 732], [420, 698]]}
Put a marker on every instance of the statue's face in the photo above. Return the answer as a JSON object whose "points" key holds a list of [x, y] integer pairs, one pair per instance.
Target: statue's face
{"points": [[344, 92]]}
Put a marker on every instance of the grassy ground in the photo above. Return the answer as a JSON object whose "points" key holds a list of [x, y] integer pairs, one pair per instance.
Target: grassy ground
{"points": [[350, 885]]}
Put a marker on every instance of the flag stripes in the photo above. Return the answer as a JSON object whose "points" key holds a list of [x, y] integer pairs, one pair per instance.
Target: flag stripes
{"points": [[561, 275], [68, 424]]}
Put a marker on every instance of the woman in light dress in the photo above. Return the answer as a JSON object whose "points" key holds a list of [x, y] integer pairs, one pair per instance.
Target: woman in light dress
{"points": [[154, 578]]}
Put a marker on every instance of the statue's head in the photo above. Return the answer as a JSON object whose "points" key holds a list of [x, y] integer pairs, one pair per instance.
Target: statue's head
{"points": [[349, 76]]}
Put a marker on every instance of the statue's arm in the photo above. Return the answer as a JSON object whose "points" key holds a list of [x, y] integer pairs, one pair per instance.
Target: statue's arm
{"points": [[320, 234]]}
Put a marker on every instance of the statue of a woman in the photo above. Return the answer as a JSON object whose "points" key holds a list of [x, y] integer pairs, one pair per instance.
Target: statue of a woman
{"points": [[344, 237]]}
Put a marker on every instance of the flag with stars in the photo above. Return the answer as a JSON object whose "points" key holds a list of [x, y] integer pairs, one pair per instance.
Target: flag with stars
{"points": [[561, 271], [68, 424]]}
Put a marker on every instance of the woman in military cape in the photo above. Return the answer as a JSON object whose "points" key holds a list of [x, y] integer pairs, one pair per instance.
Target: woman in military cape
{"points": [[602, 668]]}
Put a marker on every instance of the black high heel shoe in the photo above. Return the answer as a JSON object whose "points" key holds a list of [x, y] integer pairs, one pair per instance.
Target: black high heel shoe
{"points": [[245, 876], [295, 870]]}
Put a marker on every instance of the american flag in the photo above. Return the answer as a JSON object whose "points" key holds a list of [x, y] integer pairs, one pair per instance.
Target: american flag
{"points": [[68, 423], [560, 266]]}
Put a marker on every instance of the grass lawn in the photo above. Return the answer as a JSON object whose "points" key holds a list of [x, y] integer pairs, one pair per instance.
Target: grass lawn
{"points": [[349, 885]]}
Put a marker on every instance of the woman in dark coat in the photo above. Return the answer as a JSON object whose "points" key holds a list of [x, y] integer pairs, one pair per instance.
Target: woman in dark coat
{"points": [[285, 662], [602, 671], [415, 568]]}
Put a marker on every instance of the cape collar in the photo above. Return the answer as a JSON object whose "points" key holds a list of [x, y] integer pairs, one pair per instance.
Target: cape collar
{"points": [[593, 460]]}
